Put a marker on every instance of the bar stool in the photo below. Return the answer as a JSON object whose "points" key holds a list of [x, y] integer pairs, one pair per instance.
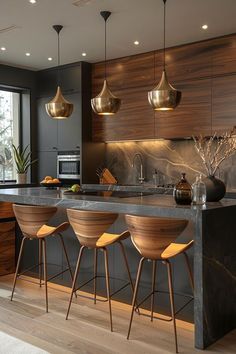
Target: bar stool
{"points": [[153, 238], [32, 222], [90, 228]]}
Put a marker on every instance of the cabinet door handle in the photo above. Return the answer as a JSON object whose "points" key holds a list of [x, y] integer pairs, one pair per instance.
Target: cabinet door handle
{"points": [[54, 148]]}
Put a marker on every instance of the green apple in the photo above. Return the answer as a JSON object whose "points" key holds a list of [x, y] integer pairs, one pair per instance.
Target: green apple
{"points": [[75, 188]]}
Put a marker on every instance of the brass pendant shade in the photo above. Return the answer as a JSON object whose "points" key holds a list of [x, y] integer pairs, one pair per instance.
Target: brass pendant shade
{"points": [[164, 97], [105, 103], [59, 107]]}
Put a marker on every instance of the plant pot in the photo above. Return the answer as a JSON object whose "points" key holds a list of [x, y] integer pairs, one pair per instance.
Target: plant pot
{"points": [[215, 189], [21, 178]]}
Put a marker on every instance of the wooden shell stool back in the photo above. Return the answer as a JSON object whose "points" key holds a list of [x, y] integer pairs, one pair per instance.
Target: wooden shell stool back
{"points": [[154, 239], [32, 222], [90, 228]]}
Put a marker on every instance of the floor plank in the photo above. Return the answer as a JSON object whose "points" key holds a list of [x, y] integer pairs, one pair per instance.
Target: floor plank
{"points": [[87, 330]]}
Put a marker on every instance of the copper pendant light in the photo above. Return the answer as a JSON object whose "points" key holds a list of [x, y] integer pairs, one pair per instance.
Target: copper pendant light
{"points": [[164, 97], [105, 103], [59, 107]]}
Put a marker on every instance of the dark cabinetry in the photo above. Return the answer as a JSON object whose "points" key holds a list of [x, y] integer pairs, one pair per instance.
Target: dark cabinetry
{"points": [[59, 134], [69, 77], [47, 164], [73, 133]]}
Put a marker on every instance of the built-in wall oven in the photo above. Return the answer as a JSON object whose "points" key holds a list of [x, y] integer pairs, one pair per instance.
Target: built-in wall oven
{"points": [[68, 165]]}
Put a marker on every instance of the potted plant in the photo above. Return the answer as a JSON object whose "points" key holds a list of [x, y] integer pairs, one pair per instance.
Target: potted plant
{"points": [[213, 151], [23, 162]]}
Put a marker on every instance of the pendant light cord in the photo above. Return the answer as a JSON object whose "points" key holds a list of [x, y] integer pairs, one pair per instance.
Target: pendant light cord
{"points": [[58, 58], [105, 54], [164, 39]]}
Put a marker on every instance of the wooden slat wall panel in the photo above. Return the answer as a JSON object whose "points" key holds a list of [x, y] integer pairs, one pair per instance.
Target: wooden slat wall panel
{"points": [[191, 117], [7, 247]]}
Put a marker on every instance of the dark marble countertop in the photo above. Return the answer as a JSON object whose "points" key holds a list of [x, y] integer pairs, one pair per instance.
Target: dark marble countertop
{"points": [[16, 185], [153, 205]]}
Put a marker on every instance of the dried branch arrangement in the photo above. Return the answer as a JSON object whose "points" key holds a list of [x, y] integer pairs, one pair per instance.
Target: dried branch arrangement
{"points": [[214, 150]]}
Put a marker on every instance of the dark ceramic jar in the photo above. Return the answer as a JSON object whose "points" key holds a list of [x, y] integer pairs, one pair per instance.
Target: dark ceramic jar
{"points": [[183, 191], [215, 189]]}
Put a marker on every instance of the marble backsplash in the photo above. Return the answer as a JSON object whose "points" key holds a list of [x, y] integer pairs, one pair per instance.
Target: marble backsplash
{"points": [[169, 158]]}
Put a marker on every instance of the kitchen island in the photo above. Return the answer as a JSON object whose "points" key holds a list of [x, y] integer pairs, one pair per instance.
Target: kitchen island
{"points": [[214, 228]]}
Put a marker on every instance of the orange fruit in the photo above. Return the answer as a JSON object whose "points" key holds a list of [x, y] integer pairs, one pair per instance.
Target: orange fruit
{"points": [[48, 178], [55, 180]]}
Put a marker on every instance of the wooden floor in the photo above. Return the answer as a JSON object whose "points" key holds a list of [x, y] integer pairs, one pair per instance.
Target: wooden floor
{"points": [[87, 330]]}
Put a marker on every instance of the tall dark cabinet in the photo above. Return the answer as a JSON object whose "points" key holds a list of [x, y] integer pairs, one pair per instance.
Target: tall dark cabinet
{"points": [[74, 133]]}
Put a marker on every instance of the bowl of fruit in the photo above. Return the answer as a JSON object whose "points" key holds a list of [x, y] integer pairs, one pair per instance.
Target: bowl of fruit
{"points": [[50, 182]]}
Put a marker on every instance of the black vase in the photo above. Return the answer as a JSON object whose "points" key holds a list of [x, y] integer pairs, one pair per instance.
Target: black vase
{"points": [[183, 192], [215, 189]]}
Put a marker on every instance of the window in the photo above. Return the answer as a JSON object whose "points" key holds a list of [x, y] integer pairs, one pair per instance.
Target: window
{"points": [[9, 133]]}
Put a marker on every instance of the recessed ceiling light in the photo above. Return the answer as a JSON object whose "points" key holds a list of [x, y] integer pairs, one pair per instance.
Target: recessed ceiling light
{"points": [[136, 42], [205, 27], [3, 48], [50, 59], [27, 54], [33, 1], [84, 54]]}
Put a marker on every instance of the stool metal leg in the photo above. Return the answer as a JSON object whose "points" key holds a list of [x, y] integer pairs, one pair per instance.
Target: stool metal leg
{"points": [[172, 301], [17, 266], [108, 285], [45, 271], [75, 278], [135, 293], [127, 267], [126, 264], [189, 270], [66, 255], [154, 263], [40, 263], [95, 276]]}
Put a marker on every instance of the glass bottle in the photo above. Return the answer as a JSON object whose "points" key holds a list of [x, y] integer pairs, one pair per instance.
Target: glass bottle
{"points": [[183, 191], [199, 191], [155, 178]]}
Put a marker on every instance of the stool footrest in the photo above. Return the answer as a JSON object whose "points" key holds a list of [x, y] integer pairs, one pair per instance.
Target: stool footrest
{"points": [[96, 277], [163, 292]]}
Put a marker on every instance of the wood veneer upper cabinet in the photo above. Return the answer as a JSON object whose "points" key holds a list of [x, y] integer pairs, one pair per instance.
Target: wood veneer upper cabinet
{"points": [[223, 103], [130, 79], [188, 62], [224, 55], [124, 73], [135, 119], [191, 117]]}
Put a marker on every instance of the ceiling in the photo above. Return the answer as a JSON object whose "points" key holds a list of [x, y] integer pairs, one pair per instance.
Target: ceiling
{"points": [[131, 20]]}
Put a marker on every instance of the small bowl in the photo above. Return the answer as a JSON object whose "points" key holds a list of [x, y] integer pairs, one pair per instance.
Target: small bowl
{"points": [[51, 185]]}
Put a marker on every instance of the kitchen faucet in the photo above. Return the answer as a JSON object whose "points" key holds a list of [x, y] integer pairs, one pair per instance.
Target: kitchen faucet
{"points": [[141, 178]]}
